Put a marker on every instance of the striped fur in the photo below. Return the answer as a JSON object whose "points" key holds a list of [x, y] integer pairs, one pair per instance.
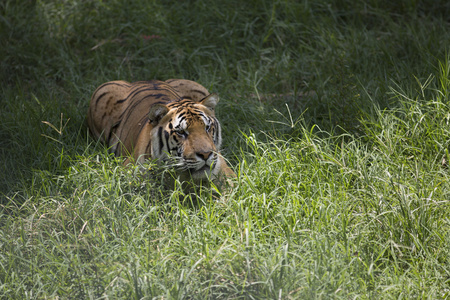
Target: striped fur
{"points": [[170, 121]]}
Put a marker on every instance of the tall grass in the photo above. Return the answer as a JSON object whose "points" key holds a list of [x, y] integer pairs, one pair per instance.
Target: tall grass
{"points": [[335, 117]]}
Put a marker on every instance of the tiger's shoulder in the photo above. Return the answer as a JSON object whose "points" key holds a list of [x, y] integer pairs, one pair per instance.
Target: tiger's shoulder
{"points": [[111, 101]]}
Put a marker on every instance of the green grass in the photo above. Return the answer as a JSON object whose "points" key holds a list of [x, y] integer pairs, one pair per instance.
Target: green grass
{"points": [[335, 116]]}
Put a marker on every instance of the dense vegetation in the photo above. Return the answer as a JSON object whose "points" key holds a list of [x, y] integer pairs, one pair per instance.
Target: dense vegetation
{"points": [[335, 117]]}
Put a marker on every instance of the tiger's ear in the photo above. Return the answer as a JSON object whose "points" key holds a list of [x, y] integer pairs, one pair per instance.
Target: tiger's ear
{"points": [[210, 101], [157, 112]]}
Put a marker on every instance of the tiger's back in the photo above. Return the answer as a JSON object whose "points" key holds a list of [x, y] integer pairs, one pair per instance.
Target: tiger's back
{"points": [[118, 107]]}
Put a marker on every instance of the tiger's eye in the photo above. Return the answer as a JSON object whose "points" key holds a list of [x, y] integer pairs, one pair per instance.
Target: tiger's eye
{"points": [[181, 132]]}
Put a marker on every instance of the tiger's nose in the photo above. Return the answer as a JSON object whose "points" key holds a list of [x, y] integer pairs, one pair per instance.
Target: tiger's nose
{"points": [[204, 154]]}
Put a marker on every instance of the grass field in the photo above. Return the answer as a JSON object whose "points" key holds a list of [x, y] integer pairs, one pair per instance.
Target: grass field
{"points": [[335, 117]]}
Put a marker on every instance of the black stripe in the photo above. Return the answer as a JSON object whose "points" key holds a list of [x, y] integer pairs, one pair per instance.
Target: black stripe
{"points": [[166, 135], [160, 85], [164, 97], [201, 92], [173, 91], [160, 129], [100, 97], [139, 90]]}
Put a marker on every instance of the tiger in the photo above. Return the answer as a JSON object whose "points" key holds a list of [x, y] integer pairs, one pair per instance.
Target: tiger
{"points": [[171, 122]]}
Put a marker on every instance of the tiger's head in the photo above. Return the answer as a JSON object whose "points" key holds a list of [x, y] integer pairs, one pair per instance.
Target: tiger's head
{"points": [[187, 135]]}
